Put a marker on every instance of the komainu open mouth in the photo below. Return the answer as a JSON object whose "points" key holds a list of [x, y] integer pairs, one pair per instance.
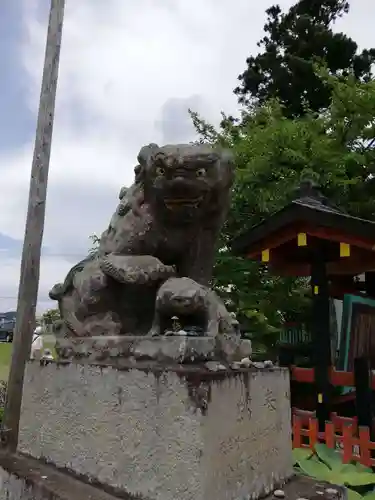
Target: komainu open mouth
{"points": [[182, 202]]}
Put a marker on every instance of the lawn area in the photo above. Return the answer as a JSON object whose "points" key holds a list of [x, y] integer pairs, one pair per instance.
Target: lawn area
{"points": [[6, 353]]}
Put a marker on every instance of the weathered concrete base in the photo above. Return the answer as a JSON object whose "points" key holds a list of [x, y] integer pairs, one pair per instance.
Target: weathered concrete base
{"points": [[170, 349], [164, 435], [24, 478]]}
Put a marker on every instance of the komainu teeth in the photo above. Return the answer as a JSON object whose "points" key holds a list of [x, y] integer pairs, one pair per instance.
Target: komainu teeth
{"points": [[182, 201]]}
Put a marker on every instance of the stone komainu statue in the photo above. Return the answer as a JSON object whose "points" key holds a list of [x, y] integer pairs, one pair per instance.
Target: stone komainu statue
{"points": [[165, 225]]}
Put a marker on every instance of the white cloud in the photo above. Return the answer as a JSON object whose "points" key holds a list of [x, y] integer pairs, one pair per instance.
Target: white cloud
{"points": [[126, 67], [50, 273]]}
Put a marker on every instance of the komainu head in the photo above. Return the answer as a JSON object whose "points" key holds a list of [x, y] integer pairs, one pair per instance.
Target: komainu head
{"points": [[186, 181]]}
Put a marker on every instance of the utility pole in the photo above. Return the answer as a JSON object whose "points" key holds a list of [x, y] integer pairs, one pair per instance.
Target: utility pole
{"points": [[30, 263]]}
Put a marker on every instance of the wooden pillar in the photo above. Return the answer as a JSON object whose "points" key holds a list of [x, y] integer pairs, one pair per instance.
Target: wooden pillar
{"points": [[370, 284], [30, 262], [363, 394], [321, 338]]}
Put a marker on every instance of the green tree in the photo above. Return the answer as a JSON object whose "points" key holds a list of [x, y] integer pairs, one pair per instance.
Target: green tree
{"points": [[272, 154], [95, 240], [293, 42], [50, 317]]}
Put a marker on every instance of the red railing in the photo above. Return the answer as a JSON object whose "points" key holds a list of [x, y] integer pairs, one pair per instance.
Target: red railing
{"points": [[340, 433]]}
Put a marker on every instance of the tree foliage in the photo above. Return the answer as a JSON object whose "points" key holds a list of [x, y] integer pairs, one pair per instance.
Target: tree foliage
{"points": [[95, 241], [272, 153], [293, 42], [50, 317]]}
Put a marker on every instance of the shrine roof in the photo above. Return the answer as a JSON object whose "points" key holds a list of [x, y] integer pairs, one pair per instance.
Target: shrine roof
{"points": [[309, 209]]}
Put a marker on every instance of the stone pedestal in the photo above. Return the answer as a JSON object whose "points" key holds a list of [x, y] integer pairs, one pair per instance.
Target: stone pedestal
{"points": [[176, 433], [129, 350]]}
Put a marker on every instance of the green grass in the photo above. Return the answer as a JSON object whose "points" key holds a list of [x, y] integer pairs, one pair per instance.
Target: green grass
{"points": [[6, 354]]}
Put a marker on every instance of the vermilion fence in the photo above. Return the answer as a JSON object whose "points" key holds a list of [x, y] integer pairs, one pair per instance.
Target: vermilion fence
{"points": [[340, 433]]}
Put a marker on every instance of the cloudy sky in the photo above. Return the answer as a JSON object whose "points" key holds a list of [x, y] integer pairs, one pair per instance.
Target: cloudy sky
{"points": [[129, 70]]}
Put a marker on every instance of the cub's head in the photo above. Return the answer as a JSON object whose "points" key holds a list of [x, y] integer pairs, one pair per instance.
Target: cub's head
{"points": [[184, 298], [186, 181], [181, 296]]}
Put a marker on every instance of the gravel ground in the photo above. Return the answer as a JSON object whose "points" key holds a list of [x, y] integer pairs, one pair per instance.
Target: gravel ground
{"points": [[305, 488]]}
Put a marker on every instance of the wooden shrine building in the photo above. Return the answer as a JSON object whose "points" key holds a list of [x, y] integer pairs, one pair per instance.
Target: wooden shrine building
{"points": [[311, 237]]}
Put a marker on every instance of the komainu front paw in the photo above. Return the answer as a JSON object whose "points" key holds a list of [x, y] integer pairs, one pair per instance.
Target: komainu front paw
{"points": [[135, 269]]}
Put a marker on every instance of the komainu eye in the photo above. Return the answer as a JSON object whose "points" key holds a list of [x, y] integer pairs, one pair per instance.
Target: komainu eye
{"points": [[160, 171], [201, 172]]}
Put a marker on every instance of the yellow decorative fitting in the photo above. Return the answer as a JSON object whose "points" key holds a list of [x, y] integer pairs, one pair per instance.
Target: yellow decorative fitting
{"points": [[316, 290], [302, 240], [344, 250], [266, 255], [320, 398]]}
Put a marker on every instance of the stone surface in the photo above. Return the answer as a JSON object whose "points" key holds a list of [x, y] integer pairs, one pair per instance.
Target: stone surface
{"points": [[165, 435], [279, 493], [163, 349], [24, 478], [214, 366], [246, 362], [306, 488], [166, 224]]}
